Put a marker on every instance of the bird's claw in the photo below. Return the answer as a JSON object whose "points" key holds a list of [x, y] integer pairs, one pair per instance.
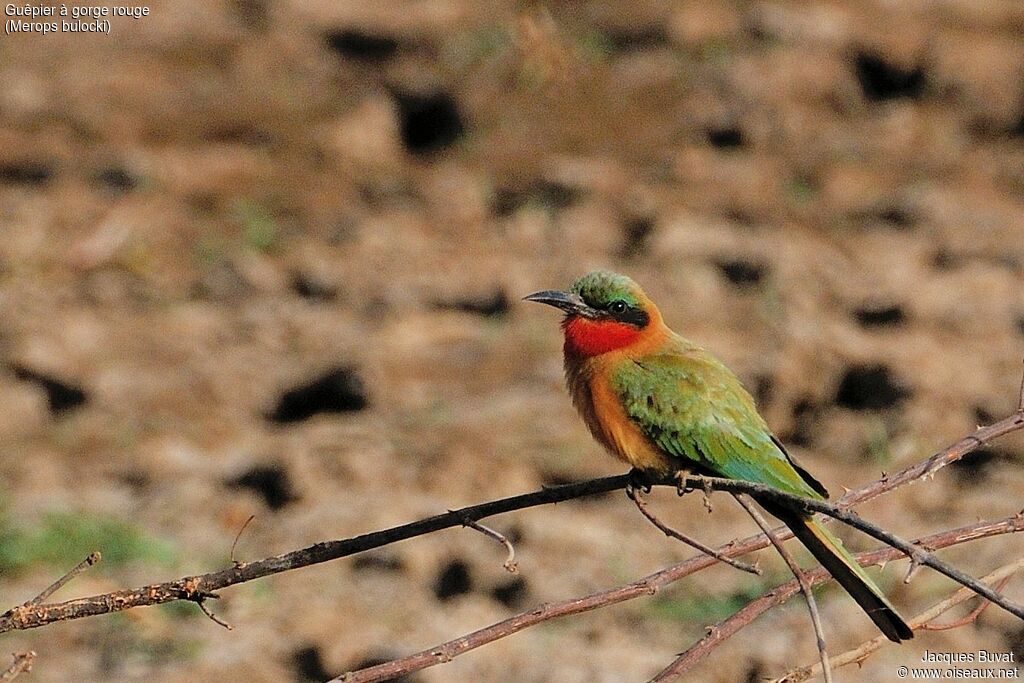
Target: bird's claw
{"points": [[682, 488], [639, 480]]}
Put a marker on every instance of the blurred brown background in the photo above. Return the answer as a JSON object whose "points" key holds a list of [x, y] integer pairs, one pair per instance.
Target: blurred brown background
{"points": [[266, 258]]}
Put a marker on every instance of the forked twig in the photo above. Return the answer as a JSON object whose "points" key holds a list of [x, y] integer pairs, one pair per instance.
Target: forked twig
{"points": [[634, 495]]}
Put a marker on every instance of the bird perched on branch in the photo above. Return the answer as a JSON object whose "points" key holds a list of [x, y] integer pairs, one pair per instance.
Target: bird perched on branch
{"points": [[663, 404]]}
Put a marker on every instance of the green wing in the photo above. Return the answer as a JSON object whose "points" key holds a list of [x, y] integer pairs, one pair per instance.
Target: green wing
{"points": [[695, 409]]}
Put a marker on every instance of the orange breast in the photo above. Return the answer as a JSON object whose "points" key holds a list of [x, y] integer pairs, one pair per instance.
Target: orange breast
{"points": [[620, 435]]}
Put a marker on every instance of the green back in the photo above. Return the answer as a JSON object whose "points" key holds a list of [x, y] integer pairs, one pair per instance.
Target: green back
{"points": [[695, 409]]}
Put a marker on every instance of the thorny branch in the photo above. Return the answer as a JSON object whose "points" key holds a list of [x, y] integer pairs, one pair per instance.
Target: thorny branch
{"points": [[971, 616], [724, 629], [650, 585], [197, 588], [921, 621]]}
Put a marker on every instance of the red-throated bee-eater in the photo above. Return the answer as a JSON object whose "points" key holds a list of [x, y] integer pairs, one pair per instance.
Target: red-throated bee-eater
{"points": [[663, 404]]}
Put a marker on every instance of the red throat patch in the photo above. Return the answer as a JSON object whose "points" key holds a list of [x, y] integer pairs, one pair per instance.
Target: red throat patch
{"points": [[586, 337]]}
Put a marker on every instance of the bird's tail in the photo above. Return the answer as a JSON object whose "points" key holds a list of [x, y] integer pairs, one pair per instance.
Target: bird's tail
{"points": [[829, 551]]}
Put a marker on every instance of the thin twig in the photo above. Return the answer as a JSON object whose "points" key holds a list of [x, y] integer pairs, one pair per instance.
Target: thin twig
{"points": [[238, 536], [641, 505], [858, 654], [650, 585], [213, 617], [510, 565], [805, 586], [970, 617], [22, 664], [89, 561], [1020, 398]]}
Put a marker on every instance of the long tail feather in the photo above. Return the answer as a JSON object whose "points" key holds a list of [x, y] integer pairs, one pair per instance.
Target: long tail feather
{"points": [[829, 551]]}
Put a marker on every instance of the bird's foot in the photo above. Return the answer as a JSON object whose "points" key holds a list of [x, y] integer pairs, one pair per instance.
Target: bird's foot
{"points": [[683, 479], [640, 480], [682, 485]]}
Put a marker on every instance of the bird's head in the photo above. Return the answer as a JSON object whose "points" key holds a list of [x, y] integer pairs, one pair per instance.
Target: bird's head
{"points": [[604, 312]]}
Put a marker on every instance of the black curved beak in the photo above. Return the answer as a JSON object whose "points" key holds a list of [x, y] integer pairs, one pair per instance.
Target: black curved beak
{"points": [[571, 303]]}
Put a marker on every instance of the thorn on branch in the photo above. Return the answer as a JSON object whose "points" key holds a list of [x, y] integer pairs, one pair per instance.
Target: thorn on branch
{"points": [[918, 559], [913, 569], [510, 564]]}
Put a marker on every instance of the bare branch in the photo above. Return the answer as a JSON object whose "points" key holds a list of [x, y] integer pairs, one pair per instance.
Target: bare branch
{"points": [[801, 578], [634, 496], [920, 621], [191, 587], [650, 585], [929, 467]]}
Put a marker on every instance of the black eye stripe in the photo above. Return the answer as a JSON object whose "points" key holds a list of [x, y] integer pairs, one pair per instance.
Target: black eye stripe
{"points": [[623, 312], [617, 309]]}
